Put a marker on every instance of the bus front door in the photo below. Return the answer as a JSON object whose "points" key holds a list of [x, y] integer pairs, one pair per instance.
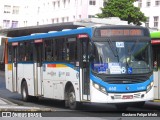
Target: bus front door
{"points": [[38, 68], [84, 68], [14, 68], [156, 72]]}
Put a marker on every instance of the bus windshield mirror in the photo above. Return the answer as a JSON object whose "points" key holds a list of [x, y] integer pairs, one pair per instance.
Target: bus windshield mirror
{"points": [[91, 57], [91, 52]]}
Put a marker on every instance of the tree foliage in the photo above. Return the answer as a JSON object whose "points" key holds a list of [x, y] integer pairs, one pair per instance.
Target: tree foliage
{"points": [[124, 9]]}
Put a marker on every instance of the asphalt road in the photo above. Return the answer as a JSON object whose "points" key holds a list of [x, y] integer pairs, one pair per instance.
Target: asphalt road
{"points": [[90, 111]]}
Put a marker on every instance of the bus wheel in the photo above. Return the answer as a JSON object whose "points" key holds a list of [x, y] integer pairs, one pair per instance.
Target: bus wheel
{"points": [[24, 92], [72, 99]]}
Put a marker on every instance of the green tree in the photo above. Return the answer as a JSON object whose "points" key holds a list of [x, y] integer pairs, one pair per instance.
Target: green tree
{"points": [[124, 9]]}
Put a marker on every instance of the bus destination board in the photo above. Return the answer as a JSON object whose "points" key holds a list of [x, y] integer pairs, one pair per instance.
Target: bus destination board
{"points": [[120, 32]]}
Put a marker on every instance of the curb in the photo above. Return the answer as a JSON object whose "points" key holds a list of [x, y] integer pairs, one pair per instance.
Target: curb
{"points": [[6, 105], [8, 102], [23, 108]]}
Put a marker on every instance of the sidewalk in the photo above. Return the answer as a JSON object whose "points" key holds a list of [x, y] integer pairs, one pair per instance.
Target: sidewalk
{"points": [[6, 105]]}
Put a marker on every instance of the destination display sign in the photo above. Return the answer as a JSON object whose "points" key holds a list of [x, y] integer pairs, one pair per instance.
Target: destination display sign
{"points": [[119, 32]]}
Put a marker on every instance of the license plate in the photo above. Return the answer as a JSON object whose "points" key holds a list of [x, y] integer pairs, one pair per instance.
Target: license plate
{"points": [[127, 97]]}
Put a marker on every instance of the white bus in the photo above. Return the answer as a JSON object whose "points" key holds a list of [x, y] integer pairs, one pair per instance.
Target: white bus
{"points": [[104, 64]]}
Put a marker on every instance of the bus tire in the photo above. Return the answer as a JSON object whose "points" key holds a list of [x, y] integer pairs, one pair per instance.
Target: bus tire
{"points": [[71, 99], [24, 92]]}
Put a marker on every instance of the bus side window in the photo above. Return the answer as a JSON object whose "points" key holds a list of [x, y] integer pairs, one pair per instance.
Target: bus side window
{"points": [[71, 52], [28, 51], [54, 50], [21, 52], [9, 53], [60, 49], [48, 50], [67, 52]]}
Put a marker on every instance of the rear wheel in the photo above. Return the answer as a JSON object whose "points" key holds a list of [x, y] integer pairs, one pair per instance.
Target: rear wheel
{"points": [[24, 92]]}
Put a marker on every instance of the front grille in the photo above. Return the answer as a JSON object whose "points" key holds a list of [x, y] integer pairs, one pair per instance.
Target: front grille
{"points": [[124, 79], [135, 96], [117, 96]]}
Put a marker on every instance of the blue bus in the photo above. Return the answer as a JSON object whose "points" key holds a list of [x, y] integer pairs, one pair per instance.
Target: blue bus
{"points": [[103, 64]]}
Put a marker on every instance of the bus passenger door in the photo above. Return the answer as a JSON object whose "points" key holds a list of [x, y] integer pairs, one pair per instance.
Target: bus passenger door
{"points": [[14, 68], [156, 72], [84, 67], [38, 67]]}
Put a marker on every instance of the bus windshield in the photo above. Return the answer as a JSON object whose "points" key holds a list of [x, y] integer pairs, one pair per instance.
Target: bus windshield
{"points": [[127, 57]]}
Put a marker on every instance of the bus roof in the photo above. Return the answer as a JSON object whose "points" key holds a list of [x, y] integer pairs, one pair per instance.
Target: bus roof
{"points": [[54, 34], [155, 34], [90, 22], [24, 31]]}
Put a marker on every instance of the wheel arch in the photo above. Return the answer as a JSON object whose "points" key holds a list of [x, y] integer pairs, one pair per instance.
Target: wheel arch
{"points": [[76, 88], [68, 95], [67, 86]]}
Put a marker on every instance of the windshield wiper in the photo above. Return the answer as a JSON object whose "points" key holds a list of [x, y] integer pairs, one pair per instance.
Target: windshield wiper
{"points": [[130, 52], [114, 50], [133, 47]]}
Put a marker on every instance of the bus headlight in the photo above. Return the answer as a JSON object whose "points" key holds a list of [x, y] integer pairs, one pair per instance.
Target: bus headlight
{"points": [[96, 86], [149, 87], [103, 89], [100, 88]]}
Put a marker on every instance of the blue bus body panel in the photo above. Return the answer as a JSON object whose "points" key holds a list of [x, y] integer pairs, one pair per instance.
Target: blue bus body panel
{"points": [[121, 88], [55, 34]]}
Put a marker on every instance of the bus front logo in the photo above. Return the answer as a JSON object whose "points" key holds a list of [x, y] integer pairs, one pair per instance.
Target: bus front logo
{"points": [[127, 88]]}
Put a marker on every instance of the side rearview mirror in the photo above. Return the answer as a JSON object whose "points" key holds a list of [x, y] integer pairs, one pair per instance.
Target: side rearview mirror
{"points": [[91, 57]]}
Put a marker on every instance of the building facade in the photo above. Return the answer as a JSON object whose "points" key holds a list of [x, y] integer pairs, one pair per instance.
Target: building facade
{"points": [[17, 13], [21, 13], [55, 11], [9, 12], [151, 10]]}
